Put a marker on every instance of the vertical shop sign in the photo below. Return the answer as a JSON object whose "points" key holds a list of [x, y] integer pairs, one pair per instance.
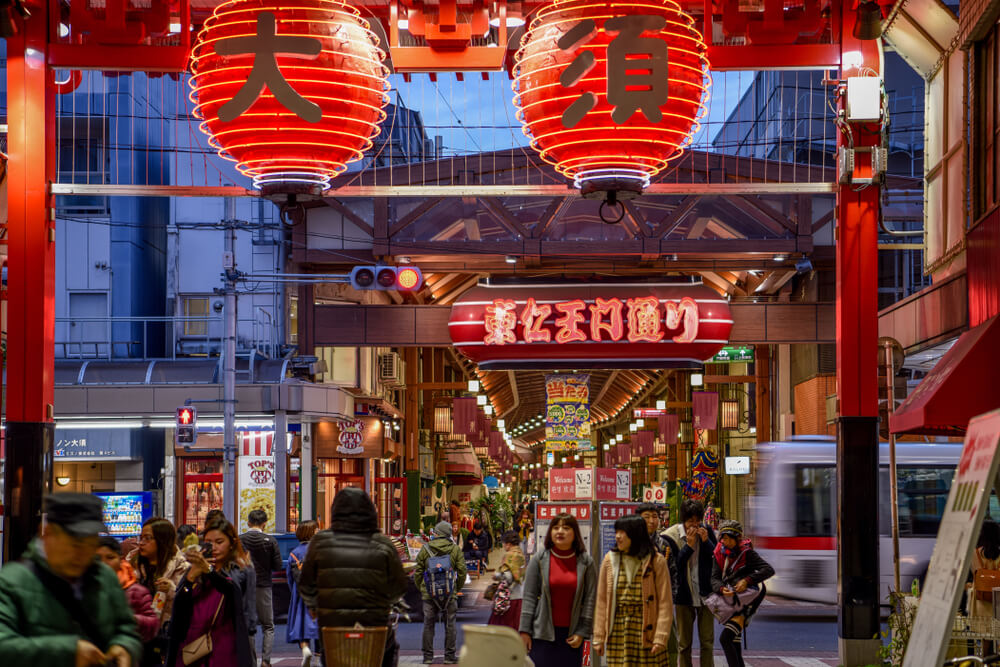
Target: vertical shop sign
{"points": [[546, 512], [567, 413], [256, 489], [608, 513], [623, 484], [968, 500]]}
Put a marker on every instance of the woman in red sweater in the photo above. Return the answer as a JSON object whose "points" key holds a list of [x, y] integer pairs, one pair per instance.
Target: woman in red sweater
{"points": [[560, 587]]}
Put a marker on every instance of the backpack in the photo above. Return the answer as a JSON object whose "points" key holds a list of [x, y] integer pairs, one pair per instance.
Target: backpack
{"points": [[439, 577]]}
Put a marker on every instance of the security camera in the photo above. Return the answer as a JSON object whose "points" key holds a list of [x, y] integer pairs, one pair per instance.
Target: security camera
{"points": [[804, 265], [217, 306]]}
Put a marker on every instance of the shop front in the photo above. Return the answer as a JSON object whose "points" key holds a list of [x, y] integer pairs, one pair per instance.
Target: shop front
{"points": [[360, 453]]}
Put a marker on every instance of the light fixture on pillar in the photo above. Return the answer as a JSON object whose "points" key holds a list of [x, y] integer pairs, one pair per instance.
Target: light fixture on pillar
{"points": [[442, 419], [868, 24], [730, 415], [62, 481]]}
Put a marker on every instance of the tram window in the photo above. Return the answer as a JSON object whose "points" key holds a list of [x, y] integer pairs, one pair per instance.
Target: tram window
{"points": [[815, 500], [923, 494]]}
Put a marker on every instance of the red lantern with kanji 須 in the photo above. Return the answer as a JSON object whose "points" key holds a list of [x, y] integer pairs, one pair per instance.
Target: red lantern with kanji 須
{"points": [[611, 92], [291, 91]]}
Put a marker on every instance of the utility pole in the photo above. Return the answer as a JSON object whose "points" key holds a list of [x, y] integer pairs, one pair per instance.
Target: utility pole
{"points": [[229, 504]]}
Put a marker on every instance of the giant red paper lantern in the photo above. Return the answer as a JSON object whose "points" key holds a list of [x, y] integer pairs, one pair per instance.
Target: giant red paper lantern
{"points": [[579, 119], [291, 91]]}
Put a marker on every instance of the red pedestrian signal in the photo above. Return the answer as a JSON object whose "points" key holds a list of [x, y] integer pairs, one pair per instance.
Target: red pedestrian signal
{"points": [[187, 425]]}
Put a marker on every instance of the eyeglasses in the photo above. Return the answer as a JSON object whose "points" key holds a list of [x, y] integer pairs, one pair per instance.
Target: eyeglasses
{"points": [[146, 538]]}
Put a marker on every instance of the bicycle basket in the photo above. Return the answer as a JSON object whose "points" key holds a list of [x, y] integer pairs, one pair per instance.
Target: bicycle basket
{"points": [[354, 647]]}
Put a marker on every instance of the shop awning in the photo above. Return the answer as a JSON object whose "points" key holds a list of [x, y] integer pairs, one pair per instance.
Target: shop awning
{"points": [[463, 461], [962, 385]]}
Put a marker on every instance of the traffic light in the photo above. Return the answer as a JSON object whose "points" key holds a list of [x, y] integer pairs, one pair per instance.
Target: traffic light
{"points": [[187, 425], [384, 277]]}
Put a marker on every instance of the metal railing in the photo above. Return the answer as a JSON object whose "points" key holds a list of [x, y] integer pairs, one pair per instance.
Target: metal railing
{"points": [[166, 337]]}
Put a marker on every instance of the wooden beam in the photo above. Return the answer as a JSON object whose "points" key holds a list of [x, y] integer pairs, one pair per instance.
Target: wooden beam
{"points": [[823, 221], [729, 379], [355, 219], [555, 210], [411, 217], [676, 216], [506, 219], [438, 386]]}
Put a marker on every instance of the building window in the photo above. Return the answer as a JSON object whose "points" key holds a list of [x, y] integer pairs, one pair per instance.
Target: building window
{"points": [[986, 127], [196, 307]]}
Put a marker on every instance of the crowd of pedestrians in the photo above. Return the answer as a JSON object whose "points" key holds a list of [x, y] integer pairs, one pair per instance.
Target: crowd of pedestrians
{"points": [[195, 596]]}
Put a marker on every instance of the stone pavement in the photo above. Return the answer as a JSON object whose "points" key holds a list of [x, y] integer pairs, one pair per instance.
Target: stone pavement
{"points": [[475, 610]]}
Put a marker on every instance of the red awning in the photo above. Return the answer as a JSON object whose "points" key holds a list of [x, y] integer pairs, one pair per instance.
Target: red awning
{"points": [[462, 461], [962, 385]]}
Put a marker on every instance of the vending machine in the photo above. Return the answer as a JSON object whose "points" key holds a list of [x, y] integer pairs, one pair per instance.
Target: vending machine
{"points": [[124, 513]]}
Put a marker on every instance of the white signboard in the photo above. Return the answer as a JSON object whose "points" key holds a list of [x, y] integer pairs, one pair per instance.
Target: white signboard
{"points": [[623, 484], [737, 465], [584, 482], [256, 476], [653, 494], [545, 512], [956, 541]]}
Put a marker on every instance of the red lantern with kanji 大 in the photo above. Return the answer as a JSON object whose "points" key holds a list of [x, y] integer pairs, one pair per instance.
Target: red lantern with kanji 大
{"points": [[291, 91], [611, 92]]}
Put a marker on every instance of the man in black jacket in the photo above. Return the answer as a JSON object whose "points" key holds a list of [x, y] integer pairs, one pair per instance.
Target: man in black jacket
{"points": [[266, 557], [691, 545], [352, 573]]}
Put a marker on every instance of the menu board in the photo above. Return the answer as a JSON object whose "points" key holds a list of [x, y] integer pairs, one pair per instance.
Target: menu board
{"points": [[124, 513]]}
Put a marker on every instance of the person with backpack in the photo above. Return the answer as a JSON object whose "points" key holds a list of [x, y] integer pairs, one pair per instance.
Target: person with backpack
{"points": [[266, 557], [440, 575], [352, 573], [737, 571]]}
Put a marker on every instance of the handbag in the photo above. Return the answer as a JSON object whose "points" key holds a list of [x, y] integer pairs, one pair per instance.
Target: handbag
{"points": [[501, 600], [984, 583], [201, 645], [724, 607], [491, 590]]}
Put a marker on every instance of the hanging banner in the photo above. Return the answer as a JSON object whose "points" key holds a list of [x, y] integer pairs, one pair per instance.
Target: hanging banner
{"points": [[256, 479], [705, 408], [670, 427], [603, 325], [567, 412]]}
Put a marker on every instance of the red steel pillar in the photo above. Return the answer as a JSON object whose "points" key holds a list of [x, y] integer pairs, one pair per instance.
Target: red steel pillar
{"points": [[857, 383], [31, 144]]}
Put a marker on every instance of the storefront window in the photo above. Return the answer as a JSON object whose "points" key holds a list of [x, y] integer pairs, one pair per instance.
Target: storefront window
{"points": [[202, 489], [294, 493], [333, 475]]}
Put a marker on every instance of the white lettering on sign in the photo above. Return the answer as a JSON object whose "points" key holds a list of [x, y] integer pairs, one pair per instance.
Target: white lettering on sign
{"points": [[623, 484], [584, 482]]}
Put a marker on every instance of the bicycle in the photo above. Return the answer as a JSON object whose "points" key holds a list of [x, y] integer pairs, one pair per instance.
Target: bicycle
{"points": [[973, 661]]}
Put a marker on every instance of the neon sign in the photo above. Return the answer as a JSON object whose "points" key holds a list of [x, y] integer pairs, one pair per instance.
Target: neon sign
{"points": [[589, 326]]}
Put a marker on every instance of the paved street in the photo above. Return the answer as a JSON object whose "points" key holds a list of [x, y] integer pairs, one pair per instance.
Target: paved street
{"points": [[785, 633]]}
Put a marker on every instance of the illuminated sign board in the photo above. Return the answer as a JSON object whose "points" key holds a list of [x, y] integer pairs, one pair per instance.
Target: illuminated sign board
{"points": [[631, 325]]}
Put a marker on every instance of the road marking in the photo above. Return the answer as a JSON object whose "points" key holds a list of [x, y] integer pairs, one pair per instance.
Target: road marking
{"points": [[804, 662]]}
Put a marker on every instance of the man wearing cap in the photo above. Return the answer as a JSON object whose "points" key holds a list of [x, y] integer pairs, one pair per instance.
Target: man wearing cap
{"points": [[60, 606], [447, 610]]}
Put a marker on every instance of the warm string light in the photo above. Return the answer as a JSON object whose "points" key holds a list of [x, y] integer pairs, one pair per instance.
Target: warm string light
{"points": [[347, 80], [643, 148]]}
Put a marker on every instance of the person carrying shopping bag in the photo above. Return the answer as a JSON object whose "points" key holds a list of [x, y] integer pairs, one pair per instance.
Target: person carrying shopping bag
{"points": [[738, 575], [634, 611], [509, 584]]}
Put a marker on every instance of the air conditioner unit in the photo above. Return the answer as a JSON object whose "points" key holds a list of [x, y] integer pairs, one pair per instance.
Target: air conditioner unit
{"points": [[390, 370]]}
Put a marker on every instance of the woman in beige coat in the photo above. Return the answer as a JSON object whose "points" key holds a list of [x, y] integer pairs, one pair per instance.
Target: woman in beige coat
{"points": [[634, 610]]}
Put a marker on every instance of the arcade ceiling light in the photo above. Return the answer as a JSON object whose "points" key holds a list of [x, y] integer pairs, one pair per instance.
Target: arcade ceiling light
{"points": [[611, 92], [292, 92]]}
